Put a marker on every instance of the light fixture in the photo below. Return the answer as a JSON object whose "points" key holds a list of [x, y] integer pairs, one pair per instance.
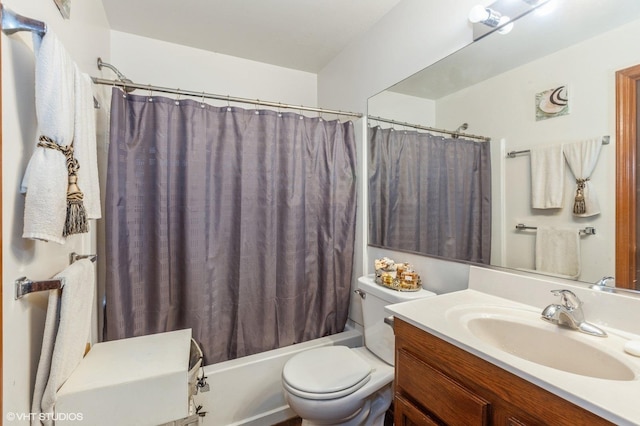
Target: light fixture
{"points": [[484, 15], [490, 18]]}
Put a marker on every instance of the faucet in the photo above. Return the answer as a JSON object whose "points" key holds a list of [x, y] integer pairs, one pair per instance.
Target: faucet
{"points": [[603, 284], [569, 314]]}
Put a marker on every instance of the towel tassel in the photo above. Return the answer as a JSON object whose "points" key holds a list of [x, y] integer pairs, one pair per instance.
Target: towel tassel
{"points": [[76, 220], [579, 205]]}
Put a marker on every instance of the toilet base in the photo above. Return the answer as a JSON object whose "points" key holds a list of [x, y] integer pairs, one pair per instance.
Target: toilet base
{"points": [[372, 412]]}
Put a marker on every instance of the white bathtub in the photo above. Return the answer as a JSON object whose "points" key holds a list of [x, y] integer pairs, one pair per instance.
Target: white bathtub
{"points": [[248, 390]]}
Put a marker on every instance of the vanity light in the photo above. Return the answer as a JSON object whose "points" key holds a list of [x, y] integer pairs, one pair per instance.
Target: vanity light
{"points": [[491, 18], [485, 15]]}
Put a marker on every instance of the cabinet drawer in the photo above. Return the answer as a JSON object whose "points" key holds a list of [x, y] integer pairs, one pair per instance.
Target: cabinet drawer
{"points": [[405, 414], [439, 394]]}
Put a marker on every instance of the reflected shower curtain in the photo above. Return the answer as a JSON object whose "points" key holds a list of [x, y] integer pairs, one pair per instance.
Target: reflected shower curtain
{"points": [[430, 194], [236, 223]]}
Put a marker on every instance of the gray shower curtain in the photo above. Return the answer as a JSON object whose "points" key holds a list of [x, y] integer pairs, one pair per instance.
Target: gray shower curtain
{"points": [[430, 194], [237, 223]]}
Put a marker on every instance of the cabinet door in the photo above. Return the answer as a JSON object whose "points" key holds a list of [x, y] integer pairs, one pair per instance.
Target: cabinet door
{"points": [[406, 414]]}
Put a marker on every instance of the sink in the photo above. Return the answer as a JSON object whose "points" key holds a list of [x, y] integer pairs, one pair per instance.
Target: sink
{"points": [[521, 333]]}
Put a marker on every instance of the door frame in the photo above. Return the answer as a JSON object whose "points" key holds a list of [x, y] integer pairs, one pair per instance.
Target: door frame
{"points": [[627, 81]]}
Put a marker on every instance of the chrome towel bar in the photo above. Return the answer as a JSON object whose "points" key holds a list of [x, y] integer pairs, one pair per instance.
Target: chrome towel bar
{"points": [[12, 22], [25, 286], [589, 230], [512, 154]]}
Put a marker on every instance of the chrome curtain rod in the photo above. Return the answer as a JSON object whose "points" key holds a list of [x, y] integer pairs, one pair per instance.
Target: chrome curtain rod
{"points": [[429, 129], [12, 22], [511, 154], [203, 95]]}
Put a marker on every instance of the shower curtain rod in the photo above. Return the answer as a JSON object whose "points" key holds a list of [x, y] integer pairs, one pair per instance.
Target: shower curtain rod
{"points": [[429, 129], [202, 95]]}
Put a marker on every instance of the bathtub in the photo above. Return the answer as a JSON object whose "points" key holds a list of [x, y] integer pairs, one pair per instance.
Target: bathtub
{"points": [[248, 390]]}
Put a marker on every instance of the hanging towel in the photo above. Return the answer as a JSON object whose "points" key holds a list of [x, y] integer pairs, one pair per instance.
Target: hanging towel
{"points": [[46, 178], [547, 177], [558, 252], [84, 144], [66, 333], [582, 158]]}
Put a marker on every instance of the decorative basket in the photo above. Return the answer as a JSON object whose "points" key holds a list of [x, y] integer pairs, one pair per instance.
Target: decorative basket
{"points": [[397, 276]]}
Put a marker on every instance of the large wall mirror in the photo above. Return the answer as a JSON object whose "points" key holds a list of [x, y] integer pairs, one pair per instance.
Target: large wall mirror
{"points": [[549, 82]]}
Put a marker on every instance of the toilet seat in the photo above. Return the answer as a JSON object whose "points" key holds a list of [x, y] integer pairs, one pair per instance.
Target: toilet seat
{"points": [[325, 373]]}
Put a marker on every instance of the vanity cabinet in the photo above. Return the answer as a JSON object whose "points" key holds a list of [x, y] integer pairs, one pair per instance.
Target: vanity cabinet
{"points": [[437, 383]]}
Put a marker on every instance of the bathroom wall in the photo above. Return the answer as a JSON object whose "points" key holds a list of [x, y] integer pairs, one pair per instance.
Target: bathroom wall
{"points": [[400, 107], [588, 69], [86, 36], [176, 66]]}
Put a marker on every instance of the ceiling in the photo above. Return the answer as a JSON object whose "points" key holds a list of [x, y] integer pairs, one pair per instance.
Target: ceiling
{"points": [[299, 34]]}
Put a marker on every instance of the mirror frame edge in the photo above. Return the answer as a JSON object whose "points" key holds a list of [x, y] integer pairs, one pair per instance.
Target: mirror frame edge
{"points": [[627, 81], [1, 245]]}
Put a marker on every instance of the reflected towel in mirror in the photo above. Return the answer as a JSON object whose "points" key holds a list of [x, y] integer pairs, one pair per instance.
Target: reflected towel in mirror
{"points": [[558, 251], [547, 177]]}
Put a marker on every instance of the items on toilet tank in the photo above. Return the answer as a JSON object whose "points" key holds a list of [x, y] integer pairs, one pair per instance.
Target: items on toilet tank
{"points": [[396, 276]]}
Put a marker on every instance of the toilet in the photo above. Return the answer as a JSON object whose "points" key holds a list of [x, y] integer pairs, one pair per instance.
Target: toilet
{"points": [[337, 385]]}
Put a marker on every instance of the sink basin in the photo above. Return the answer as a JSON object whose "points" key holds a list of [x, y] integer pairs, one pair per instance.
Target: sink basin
{"points": [[522, 334]]}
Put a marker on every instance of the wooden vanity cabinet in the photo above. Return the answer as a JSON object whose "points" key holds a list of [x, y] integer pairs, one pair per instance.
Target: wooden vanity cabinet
{"points": [[437, 383]]}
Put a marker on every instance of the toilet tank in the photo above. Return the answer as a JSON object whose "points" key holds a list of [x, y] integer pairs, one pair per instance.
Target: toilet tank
{"points": [[378, 336]]}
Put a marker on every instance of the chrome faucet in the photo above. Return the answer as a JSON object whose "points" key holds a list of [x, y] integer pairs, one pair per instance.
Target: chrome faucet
{"points": [[569, 314], [603, 284]]}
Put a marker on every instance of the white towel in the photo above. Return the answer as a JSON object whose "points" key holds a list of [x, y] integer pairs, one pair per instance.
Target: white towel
{"points": [[84, 144], [66, 333], [547, 177], [46, 178], [558, 252]]}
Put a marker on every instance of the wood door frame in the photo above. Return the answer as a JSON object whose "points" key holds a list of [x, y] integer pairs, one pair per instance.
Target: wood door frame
{"points": [[627, 81]]}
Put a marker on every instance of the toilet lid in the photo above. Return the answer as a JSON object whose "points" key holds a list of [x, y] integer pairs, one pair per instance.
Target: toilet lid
{"points": [[326, 370]]}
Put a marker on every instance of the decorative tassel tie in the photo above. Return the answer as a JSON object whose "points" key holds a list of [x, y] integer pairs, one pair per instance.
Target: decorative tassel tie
{"points": [[76, 221], [579, 205]]}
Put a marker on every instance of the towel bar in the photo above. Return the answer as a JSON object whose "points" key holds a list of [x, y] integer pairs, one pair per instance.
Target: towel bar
{"points": [[25, 286], [12, 23], [512, 154], [589, 230]]}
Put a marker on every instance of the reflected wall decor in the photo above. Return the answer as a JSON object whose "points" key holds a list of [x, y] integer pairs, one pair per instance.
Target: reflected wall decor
{"points": [[552, 103]]}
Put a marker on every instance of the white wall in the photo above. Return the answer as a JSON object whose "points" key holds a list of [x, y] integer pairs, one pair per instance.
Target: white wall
{"points": [[404, 108], [86, 36], [588, 69], [149, 61]]}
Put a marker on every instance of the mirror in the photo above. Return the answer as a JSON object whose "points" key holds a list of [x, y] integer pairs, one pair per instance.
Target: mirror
{"points": [[492, 84]]}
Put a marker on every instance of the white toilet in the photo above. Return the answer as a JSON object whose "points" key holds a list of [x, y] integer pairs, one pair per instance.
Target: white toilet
{"points": [[337, 385]]}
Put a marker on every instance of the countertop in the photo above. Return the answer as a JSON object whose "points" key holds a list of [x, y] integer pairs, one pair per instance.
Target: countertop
{"points": [[614, 400]]}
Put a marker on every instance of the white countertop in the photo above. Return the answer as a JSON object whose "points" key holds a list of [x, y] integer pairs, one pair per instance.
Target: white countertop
{"points": [[614, 400]]}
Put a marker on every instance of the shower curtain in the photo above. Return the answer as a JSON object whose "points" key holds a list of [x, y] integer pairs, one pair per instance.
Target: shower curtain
{"points": [[237, 223], [430, 194]]}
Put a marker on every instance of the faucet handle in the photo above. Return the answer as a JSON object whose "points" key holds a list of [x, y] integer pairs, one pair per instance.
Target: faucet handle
{"points": [[568, 299]]}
